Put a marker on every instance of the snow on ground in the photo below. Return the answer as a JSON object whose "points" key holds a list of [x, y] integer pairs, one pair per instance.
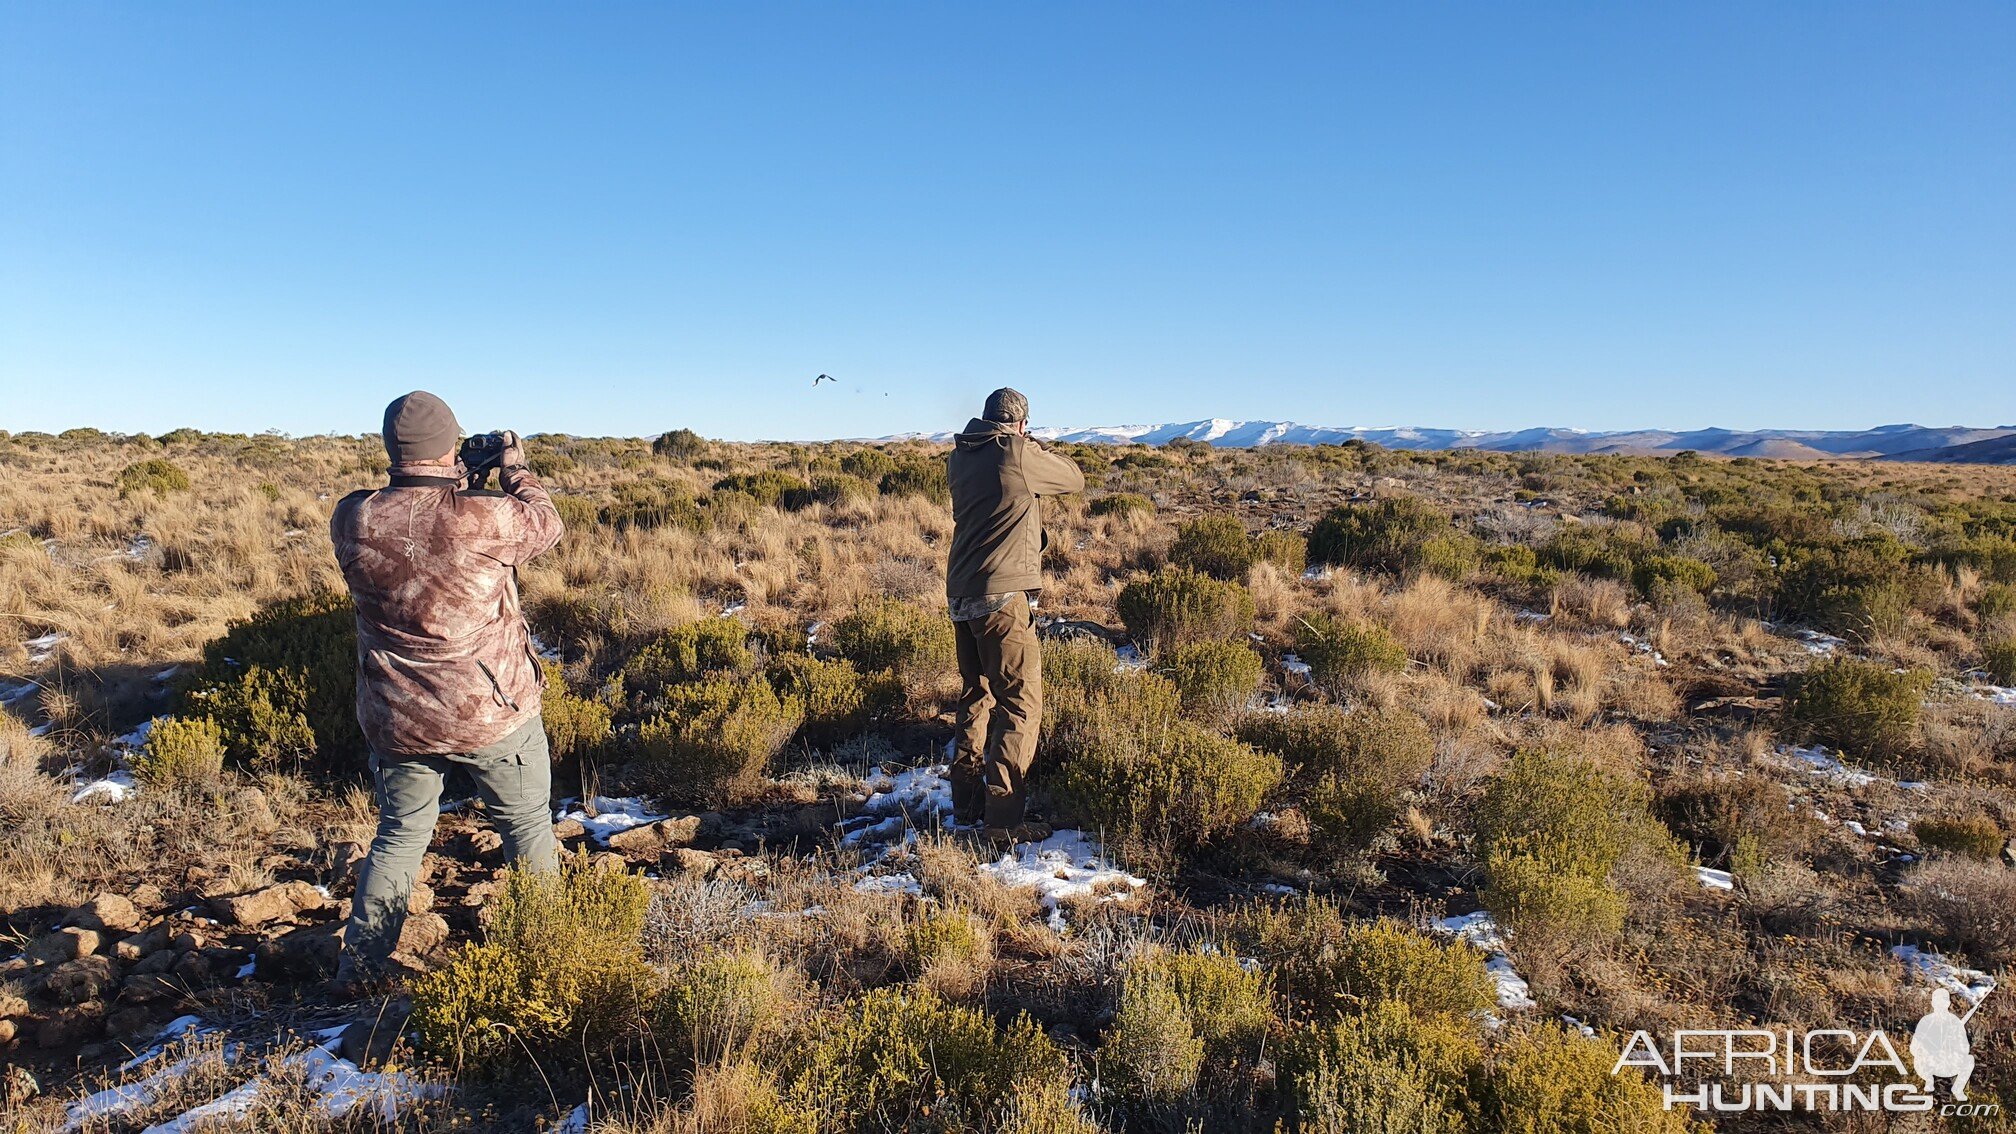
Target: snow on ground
{"points": [[10, 692], [1714, 879], [576, 1122], [1643, 647], [1972, 985], [1531, 616], [1129, 658], [1064, 866], [900, 801], [612, 814], [117, 787], [1828, 766], [1480, 930], [1981, 686], [904, 883], [1294, 665], [1812, 641], [341, 1084], [40, 648]]}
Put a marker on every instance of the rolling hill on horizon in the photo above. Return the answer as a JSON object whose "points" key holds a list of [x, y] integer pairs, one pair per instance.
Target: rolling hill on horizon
{"points": [[1894, 442]]}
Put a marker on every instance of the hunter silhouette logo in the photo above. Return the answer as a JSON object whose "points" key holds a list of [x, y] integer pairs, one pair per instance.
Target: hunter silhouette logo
{"points": [[1939, 1047]]}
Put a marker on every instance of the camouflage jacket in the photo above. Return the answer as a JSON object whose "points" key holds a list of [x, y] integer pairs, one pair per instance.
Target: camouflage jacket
{"points": [[444, 658]]}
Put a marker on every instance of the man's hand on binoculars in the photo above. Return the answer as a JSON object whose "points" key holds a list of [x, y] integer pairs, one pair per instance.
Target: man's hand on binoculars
{"points": [[514, 450]]}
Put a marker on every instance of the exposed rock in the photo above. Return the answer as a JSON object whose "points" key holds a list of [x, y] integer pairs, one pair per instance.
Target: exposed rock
{"points": [[369, 1042], [270, 904], [86, 978], [131, 949], [148, 897], [194, 969], [479, 893], [567, 829], [9, 1030], [309, 953], [159, 961], [423, 934], [133, 1021], [640, 843], [421, 900], [11, 1005], [145, 988], [65, 945], [608, 860], [108, 913], [251, 811], [188, 941], [484, 841], [17, 1086], [72, 1025], [689, 862]]}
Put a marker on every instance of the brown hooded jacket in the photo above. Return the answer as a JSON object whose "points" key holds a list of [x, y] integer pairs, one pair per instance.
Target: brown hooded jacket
{"points": [[996, 475]]}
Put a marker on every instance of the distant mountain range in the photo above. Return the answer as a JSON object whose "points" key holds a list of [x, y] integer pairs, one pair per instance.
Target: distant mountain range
{"points": [[1959, 444]]}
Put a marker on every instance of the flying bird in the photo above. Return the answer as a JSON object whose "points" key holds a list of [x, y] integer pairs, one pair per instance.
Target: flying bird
{"points": [[825, 378]]}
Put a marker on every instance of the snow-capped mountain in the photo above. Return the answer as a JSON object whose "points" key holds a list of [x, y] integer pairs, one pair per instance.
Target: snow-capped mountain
{"points": [[1882, 441]]}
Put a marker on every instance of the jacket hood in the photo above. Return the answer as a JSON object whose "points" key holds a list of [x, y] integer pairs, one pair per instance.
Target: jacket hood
{"points": [[980, 432]]}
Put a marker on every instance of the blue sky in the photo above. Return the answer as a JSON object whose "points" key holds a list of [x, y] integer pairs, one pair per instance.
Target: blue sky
{"points": [[624, 218]]}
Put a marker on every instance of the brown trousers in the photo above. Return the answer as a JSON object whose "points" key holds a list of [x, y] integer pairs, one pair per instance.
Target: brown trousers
{"points": [[1000, 714]]}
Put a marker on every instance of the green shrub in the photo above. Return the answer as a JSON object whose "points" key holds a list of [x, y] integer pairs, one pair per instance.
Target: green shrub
{"points": [[1215, 545], [766, 487], [868, 464], [1122, 504], [897, 1052], [1551, 828], [916, 476], [560, 978], [1179, 1013], [1339, 653], [1387, 1071], [155, 475], [718, 1005], [887, 633], [713, 739], [1356, 765], [689, 653], [1390, 536], [1997, 600], [1859, 588], [282, 687], [1517, 563], [1175, 606], [1656, 569], [1090, 700], [1976, 836], [577, 513], [839, 699], [1173, 794], [830, 489], [1548, 1081], [1215, 679], [180, 751], [1998, 660], [576, 727], [648, 505], [1718, 812], [1383, 961], [1286, 550], [680, 445], [1859, 707]]}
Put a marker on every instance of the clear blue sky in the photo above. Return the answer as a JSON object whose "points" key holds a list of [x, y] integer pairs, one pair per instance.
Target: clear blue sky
{"points": [[623, 218]]}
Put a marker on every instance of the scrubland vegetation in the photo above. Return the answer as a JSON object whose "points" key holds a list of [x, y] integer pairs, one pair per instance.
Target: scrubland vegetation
{"points": [[1700, 742]]}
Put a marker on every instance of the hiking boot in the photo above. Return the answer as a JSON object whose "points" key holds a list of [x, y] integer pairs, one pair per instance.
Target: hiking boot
{"points": [[1027, 831]]}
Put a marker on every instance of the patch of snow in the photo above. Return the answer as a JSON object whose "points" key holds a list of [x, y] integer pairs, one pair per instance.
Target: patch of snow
{"points": [[1714, 879], [1295, 665], [181, 1027], [1971, 985], [545, 652], [341, 1084], [137, 738], [734, 608], [1479, 930], [1317, 573], [576, 1122], [39, 649], [612, 815], [916, 792], [1828, 767], [1129, 658], [1587, 1031], [905, 883], [1643, 647], [10, 692], [1818, 644], [1531, 616], [118, 787], [168, 674], [812, 634], [1859, 829], [43, 729], [1064, 866]]}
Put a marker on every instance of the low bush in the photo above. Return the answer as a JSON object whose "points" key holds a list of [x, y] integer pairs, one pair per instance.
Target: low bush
{"points": [[180, 752], [1090, 700], [1122, 504], [895, 1053], [282, 688], [1717, 813], [679, 445], [559, 979], [840, 701], [868, 464], [688, 653], [1215, 679], [1859, 707], [1546, 1080], [767, 487], [718, 1005], [1997, 600], [648, 505], [1383, 961], [1215, 545], [831, 489], [1172, 795], [890, 634], [1387, 1071], [1970, 905], [1977, 836], [713, 740], [917, 476], [1998, 660], [1654, 570], [576, 727], [1390, 536], [155, 475], [1175, 606], [1286, 550], [1340, 653], [1179, 1014], [948, 951], [1353, 766]]}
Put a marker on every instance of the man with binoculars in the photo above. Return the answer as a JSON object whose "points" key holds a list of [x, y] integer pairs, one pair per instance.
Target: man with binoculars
{"points": [[446, 674]]}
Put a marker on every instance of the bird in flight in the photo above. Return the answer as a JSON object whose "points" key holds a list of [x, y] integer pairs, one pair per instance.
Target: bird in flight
{"points": [[825, 378]]}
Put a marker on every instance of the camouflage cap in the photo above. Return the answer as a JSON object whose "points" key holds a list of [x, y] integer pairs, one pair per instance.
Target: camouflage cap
{"points": [[420, 427], [1006, 405]]}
